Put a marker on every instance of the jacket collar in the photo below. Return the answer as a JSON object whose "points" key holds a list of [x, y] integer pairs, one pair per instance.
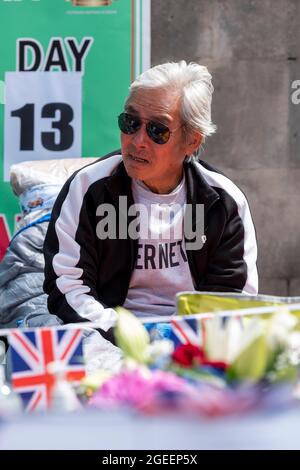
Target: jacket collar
{"points": [[198, 190]]}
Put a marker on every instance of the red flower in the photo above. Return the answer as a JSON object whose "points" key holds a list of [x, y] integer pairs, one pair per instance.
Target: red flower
{"points": [[189, 355]]}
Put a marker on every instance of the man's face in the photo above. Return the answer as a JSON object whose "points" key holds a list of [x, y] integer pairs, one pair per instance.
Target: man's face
{"points": [[161, 166]]}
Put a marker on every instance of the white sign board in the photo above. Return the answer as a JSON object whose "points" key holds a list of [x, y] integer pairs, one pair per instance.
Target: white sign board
{"points": [[42, 116]]}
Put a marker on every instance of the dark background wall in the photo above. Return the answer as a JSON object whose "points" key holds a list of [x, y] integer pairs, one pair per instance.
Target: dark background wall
{"points": [[252, 49]]}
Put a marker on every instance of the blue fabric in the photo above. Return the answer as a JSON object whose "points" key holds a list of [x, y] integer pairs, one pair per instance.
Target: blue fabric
{"points": [[158, 331], [39, 197]]}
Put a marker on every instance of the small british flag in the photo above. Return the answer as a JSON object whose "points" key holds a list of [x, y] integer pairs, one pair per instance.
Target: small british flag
{"points": [[32, 351], [187, 331]]}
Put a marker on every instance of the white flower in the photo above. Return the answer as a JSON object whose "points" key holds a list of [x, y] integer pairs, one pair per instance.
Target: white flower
{"points": [[159, 350], [279, 328]]}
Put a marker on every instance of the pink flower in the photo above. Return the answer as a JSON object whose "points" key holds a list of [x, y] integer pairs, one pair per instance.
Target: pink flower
{"points": [[133, 388]]}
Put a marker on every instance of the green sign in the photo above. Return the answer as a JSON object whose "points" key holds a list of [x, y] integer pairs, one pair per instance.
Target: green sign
{"points": [[65, 69]]}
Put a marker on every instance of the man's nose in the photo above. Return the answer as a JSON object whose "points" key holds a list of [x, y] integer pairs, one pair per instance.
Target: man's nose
{"points": [[141, 137]]}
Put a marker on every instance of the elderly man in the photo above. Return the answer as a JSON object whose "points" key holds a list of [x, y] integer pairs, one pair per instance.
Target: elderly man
{"points": [[137, 227]]}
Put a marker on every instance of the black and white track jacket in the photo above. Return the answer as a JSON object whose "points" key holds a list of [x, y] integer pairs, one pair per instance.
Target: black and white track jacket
{"points": [[85, 275]]}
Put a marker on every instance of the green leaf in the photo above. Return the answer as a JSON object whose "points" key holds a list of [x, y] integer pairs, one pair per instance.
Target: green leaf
{"points": [[252, 362]]}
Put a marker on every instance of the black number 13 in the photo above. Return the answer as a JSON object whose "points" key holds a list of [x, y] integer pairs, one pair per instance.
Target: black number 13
{"points": [[62, 124]]}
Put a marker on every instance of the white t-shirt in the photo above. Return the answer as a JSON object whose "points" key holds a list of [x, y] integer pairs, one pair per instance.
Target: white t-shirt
{"points": [[162, 267]]}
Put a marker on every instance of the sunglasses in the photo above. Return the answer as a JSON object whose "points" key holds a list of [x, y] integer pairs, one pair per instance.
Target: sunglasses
{"points": [[158, 132]]}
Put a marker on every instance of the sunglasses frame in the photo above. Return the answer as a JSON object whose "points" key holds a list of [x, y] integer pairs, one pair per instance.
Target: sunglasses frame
{"points": [[149, 131]]}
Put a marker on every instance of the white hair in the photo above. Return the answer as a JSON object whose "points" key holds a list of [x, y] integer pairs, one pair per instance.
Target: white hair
{"points": [[193, 82]]}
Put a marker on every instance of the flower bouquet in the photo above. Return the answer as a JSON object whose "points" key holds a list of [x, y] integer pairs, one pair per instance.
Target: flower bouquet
{"points": [[204, 365]]}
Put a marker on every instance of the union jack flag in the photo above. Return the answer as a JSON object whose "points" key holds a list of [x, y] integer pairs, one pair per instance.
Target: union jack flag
{"points": [[32, 351], [187, 331]]}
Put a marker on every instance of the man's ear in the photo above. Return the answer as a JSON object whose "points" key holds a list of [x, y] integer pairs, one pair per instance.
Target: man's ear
{"points": [[194, 140]]}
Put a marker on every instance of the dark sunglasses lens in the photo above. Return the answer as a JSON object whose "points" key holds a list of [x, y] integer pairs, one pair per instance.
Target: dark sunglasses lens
{"points": [[128, 124], [159, 133]]}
